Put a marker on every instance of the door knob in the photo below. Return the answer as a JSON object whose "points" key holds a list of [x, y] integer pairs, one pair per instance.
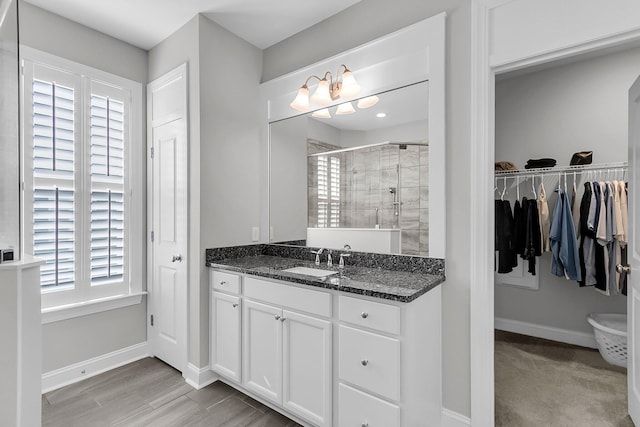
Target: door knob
{"points": [[235, 304], [176, 258], [364, 362], [623, 269]]}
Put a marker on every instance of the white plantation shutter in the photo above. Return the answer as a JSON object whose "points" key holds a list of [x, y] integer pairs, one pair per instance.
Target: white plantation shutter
{"points": [[107, 195], [328, 191], [53, 130], [78, 195]]}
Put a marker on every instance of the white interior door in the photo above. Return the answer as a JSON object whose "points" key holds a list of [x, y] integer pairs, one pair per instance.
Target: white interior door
{"points": [[633, 292], [169, 213]]}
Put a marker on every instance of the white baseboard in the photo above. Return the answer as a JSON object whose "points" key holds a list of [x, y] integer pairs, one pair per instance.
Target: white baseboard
{"points": [[199, 377], [547, 332], [53, 380], [454, 419]]}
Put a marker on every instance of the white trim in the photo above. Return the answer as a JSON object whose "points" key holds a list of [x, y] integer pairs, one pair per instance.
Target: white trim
{"points": [[454, 419], [199, 377], [547, 332], [53, 380], [56, 314], [482, 225]]}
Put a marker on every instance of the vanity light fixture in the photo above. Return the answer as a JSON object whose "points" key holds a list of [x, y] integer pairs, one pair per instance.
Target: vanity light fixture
{"points": [[346, 108], [327, 90], [367, 102], [322, 114]]}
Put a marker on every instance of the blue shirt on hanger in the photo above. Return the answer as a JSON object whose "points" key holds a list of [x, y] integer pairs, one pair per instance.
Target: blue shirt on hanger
{"points": [[564, 246]]}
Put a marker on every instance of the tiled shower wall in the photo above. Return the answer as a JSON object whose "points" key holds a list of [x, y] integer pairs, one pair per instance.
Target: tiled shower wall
{"points": [[367, 175]]}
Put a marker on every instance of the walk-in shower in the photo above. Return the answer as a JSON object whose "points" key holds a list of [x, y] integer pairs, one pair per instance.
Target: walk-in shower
{"points": [[381, 187]]}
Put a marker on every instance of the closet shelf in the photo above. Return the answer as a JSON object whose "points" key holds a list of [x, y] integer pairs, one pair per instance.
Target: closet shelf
{"points": [[600, 167]]}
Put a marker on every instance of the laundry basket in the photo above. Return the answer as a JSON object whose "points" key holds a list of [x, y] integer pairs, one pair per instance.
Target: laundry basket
{"points": [[611, 336]]}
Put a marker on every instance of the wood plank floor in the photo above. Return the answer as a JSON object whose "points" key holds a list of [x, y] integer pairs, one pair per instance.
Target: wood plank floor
{"points": [[150, 393]]}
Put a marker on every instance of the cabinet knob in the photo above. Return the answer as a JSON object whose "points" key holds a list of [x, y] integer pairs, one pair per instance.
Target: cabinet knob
{"points": [[222, 282], [364, 314], [235, 304], [365, 424], [277, 317], [282, 319], [364, 362]]}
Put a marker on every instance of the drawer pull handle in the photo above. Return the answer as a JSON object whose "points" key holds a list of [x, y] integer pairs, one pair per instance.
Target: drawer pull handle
{"points": [[222, 282], [364, 362], [235, 304], [364, 314], [277, 317]]}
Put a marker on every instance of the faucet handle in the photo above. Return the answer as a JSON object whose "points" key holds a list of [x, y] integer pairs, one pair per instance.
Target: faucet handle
{"points": [[317, 254], [329, 259], [342, 257]]}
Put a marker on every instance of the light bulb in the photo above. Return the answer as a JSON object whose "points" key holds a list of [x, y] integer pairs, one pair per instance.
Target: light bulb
{"points": [[322, 114], [345, 108], [381, 115], [350, 87], [367, 102], [301, 103], [322, 96]]}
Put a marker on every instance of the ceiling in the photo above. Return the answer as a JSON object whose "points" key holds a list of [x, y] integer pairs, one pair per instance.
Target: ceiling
{"points": [[145, 23]]}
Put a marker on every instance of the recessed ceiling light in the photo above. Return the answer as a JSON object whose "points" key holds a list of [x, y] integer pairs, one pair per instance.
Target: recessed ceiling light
{"points": [[381, 115]]}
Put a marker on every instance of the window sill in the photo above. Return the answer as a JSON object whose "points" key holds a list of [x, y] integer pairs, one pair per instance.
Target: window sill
{"points": [[70, 311]]}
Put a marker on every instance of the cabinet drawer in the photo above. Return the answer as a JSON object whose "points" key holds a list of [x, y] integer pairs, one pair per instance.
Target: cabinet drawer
{"points": [[374, 315], [361, 409], [370, 361], [227, 282], [306, 300]]}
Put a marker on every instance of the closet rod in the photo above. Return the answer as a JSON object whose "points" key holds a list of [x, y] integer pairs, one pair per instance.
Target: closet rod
{"points": [[556, 170]]}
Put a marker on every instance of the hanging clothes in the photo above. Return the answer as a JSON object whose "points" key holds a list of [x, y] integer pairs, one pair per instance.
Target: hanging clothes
{"points": [[507, 258], [623, 239], [564, 245], [575, 208], [543, 213], [519, 233], [533, 239], [586, 248]]}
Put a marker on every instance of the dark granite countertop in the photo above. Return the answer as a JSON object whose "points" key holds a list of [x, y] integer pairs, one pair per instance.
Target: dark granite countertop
{"points": [[404, 282]]}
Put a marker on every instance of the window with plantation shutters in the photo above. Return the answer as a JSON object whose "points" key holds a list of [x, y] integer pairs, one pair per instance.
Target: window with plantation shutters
{"points": [[328, 191], [78, 192]]}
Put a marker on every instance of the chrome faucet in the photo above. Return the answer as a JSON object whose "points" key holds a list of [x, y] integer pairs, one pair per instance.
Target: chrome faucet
{"points": [[344, 255], [318, 253], [329, 259]]}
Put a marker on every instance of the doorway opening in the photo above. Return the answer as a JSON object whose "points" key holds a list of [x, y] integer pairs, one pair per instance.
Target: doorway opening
{"points": [[546, 364]]}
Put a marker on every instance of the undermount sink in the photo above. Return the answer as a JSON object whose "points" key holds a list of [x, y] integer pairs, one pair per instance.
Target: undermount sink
{"points": [[314, 272]]}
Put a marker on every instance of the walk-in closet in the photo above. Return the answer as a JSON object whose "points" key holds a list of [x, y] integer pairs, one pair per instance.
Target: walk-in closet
{"points": [[561, 129]]}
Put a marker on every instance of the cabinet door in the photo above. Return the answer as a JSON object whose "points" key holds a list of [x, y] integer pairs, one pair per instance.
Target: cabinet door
{"points": [[226, 340], [307, 362], [262, 355]]}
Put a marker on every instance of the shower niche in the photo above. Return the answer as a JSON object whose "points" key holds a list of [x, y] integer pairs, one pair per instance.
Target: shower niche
{"points": [[359, 179]]}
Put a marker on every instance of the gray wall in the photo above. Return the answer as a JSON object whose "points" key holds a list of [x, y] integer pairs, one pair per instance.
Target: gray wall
{"points": [[366, 21], [554, 113], [224, 151], [71, 341], [9, 137]]}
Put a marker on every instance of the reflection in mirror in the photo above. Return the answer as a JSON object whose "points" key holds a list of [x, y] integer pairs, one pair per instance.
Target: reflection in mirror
{"points": [[357, 179]]}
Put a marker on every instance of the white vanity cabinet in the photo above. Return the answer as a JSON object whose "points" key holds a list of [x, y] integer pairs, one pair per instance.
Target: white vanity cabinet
{"points": [[226, 315], [328, 358]]}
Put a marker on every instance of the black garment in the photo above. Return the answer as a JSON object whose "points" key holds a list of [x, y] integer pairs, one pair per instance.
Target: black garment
{"points": [[585, 204], [533, 238], [519, 231], [504, 232], [540, 163], [601, 271]]}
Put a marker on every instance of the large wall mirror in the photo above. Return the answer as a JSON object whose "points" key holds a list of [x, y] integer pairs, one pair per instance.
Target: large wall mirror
{"points": [[372, 178], [359, 179]]}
